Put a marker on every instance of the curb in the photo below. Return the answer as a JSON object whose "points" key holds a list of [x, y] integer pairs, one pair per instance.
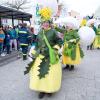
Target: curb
{"points": [[8, 58]]}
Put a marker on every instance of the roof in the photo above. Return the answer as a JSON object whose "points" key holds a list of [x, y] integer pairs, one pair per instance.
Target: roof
{"points": [[6, 12]]}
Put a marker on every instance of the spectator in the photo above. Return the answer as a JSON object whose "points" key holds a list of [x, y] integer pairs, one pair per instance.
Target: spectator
{"points": [[13, 38], [2, 37], [7, 43], [17, 30], [34, 37]]}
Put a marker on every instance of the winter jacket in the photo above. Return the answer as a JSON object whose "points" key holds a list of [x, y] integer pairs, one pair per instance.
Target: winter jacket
{"points": [[2, 36], [13, 34], [23, 36]]}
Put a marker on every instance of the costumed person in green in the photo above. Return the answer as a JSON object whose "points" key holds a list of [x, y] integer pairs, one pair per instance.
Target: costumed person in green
{"points": [[95, 30], [72, 52], [45, 69], [97, 39]]}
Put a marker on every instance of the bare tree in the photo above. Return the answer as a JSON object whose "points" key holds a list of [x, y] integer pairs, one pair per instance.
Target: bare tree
{"points": [[57, 1], [17, 4]]}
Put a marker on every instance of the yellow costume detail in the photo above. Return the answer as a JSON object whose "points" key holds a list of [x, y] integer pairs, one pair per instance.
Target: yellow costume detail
{"points": [[51, 83], [68, 60], [97, 42]]}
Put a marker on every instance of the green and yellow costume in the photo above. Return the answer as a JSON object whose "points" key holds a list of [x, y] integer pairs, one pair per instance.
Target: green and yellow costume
{"points": [[97, 39], [83, 23], [45, 70], [72, 52]]}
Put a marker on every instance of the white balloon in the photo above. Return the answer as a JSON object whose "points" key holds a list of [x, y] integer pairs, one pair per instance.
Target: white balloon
{"points": [[48, 3], [87, 35]]}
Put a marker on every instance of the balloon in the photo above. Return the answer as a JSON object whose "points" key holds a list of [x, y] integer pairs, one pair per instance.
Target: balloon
{"points": [[87, 35], [48, 3]]}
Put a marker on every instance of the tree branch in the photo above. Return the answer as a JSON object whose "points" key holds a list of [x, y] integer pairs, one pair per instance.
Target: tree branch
{"points": [[17, 4]]}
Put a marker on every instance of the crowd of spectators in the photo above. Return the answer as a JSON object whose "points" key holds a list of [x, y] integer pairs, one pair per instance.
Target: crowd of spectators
{"points": [[9, 39]]}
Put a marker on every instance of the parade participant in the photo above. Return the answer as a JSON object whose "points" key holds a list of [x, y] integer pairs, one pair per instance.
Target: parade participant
{"points": [[23, 36], [94, 28], [83, 22], [72, 53], [97, 39], [45, 69]]}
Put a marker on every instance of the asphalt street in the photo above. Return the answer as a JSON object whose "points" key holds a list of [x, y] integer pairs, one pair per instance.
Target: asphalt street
{"points": [[81, 84]]}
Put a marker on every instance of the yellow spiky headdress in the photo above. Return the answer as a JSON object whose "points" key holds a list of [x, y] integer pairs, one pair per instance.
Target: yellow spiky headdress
{"points": [[45, 14]]}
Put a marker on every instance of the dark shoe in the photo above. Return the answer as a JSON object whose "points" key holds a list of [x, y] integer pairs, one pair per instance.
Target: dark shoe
{"points": [[91, 47], [49, 94], [71, 68], [67, 67], [41, 95], [87, 47], [25, 57]]}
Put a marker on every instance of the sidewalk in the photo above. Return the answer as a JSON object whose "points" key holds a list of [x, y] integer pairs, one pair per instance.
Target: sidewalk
{"points": [[8, 58]]}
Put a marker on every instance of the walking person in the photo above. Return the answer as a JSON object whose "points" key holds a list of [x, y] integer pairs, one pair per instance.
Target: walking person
{"points": [[23, 38], [97, 38], [45, 69], [72, 52]]}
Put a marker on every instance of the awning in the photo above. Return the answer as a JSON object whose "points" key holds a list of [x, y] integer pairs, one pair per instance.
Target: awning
{"points": [[6, 12]]}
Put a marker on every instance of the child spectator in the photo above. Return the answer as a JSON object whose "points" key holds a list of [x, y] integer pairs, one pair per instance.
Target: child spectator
{"points": [[13, 38]]}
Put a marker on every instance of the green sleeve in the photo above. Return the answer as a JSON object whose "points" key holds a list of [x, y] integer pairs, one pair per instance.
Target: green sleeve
{"points": [[98, 31], [57, 39]]}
